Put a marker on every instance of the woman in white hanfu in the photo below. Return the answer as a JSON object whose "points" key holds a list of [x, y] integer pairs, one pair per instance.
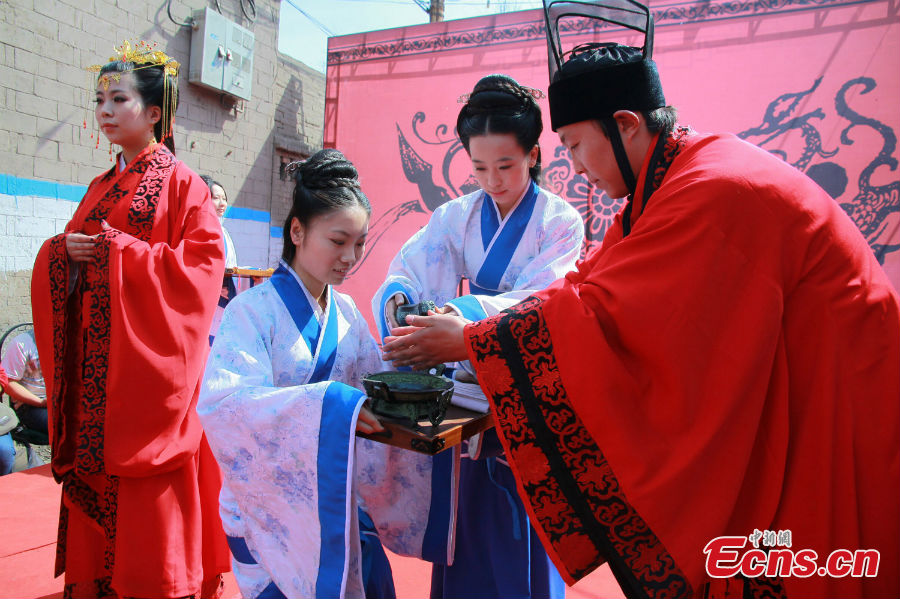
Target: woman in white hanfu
{"points": [[508, 239], [305, 504]]}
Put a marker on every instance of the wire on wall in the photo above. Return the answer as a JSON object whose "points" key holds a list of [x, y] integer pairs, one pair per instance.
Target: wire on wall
{"points": [[251, 4], [248, 7], [187, 23]]}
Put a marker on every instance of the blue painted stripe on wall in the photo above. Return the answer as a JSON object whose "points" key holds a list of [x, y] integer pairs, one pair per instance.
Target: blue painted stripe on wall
{"points": [[242, 213], [276, 232], [18, 186]]}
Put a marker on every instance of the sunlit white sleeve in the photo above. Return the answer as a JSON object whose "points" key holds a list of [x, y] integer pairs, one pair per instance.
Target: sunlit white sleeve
{"points": [[429, 265]]}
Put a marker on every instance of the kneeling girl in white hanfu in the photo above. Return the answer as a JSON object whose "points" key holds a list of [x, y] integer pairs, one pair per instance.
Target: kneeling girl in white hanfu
{"points": [[508, 239], [305, 503]]}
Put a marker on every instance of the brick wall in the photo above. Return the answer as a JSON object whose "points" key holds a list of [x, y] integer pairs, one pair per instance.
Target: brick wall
{"points": [[47, 158]]}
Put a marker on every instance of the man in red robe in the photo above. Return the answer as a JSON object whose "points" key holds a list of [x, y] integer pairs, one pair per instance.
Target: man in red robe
{"points": [[714, 395]]}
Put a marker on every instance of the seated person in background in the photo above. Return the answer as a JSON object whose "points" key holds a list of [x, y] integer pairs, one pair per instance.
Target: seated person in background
{"points": [[7, 447], [25, 388]]}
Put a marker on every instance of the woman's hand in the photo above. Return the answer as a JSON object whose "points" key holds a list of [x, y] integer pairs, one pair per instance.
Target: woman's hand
{"points": [[427, 341], [367, 423], [390, 309], [81, 247]]}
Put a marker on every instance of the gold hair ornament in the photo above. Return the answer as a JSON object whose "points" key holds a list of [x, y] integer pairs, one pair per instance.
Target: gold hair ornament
{"points": [[142, 55]]}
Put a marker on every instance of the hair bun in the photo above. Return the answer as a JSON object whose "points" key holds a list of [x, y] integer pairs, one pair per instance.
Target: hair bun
{"points": [[490, 99], [325, 169], [324, 182], [501, 92]]}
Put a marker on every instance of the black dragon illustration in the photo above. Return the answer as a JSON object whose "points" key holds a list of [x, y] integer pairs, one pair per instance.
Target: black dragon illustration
{"points": [[874, 205], [874, 208]]}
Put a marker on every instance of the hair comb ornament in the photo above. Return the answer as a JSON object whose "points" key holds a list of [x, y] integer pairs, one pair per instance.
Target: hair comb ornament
{"points": [[531, 91], [292, 167]]}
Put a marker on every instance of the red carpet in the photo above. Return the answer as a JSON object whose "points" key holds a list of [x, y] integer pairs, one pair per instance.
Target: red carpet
{"points": [[28, 518]]}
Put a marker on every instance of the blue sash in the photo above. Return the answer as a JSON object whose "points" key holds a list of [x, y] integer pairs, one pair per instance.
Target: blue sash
{"points": [[497, 260], [297, 304], [339, 405], [487, 283]]}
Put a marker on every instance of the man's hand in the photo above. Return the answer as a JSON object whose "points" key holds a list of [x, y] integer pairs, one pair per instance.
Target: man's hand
{"points": [[427, 341]]}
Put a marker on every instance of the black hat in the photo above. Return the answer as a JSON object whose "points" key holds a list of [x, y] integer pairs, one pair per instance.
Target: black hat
{"points": [[598, 79]]}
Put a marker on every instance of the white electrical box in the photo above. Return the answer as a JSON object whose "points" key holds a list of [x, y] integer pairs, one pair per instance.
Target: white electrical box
{"points": [[221, 54]]}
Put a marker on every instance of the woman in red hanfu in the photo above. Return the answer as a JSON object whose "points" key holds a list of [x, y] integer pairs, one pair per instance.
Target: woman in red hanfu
{"points": [[122, 304]]}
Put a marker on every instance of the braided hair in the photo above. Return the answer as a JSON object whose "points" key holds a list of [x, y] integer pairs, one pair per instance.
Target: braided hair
{"points": [[498, 104], [324, 182]]}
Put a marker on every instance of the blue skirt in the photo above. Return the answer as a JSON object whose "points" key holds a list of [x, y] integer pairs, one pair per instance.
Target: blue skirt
{"points": [[376, 569], [498, 554]]}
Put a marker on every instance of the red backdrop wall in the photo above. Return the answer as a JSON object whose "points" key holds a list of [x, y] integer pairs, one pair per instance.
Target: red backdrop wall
{"points": [[814, 81]]}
